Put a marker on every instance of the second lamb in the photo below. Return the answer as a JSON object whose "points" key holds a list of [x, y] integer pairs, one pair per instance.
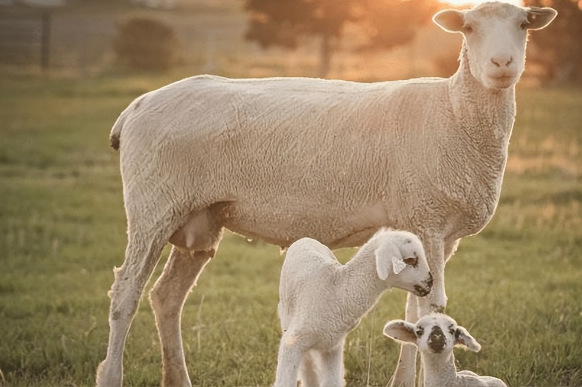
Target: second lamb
{"points": [[322, 300]]}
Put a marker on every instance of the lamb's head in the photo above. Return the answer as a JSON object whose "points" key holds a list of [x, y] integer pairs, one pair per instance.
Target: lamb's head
{"points": [[495, 36], [434, 333], [400, 254]]}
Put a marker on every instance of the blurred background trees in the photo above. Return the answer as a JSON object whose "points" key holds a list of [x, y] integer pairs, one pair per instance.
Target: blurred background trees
{"points": [[352, 39], [380, 24], [557, 50]]}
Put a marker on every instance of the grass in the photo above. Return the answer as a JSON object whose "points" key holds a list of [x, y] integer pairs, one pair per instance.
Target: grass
{"points": [[516, 286]]}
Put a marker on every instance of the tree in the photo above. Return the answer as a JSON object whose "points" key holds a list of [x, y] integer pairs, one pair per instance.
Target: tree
{"points": [[558, 48], [384, 23]]}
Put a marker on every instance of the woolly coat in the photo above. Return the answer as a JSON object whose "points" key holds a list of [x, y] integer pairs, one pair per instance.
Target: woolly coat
{"points": [[282, 159]]}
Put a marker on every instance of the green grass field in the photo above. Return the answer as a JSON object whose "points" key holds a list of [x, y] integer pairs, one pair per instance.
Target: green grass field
{"points": [[517, 286]]}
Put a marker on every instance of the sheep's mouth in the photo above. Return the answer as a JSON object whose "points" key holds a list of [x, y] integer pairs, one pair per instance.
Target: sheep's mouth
{"points": [[422, 291], [503, 81], [437, 341]]}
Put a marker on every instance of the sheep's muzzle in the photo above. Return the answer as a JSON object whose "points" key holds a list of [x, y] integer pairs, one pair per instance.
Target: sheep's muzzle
{"points": [[436, 340], [422, 291]]}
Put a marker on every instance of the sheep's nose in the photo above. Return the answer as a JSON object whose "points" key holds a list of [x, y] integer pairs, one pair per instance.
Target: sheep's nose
{"points": [[502, 61], [437, 340]]}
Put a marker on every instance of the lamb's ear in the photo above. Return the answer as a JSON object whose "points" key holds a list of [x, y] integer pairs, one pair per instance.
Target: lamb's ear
{"points": [[387, 255], [450, 20], [539, 18], [401, 330], [463, 338]]}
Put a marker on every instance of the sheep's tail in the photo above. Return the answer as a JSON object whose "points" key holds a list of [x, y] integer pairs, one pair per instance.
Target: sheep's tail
{"points": [[116, 132], [114, 136]]}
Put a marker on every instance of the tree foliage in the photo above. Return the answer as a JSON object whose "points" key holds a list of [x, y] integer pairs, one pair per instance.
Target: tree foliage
{"points": [[558, 48], [384, 24]]}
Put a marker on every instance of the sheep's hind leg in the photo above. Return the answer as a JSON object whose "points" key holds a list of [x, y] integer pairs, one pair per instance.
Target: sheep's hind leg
{"points": [[332, 366], [309, 369], [130, 280], [169, 295], [289, 359]]}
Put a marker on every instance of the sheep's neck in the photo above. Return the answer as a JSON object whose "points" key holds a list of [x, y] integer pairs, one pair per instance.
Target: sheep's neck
{"points": [[439, 369], [477, 107], [363, 287]]}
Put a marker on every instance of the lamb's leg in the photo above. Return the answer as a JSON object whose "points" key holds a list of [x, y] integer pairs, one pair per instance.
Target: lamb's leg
{"points": [[167, 299], [289, 359], [405, 373], [333, 367], [309, 369], [142, 255]]}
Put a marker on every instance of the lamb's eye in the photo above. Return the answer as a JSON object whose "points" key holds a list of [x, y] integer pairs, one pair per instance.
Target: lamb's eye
{"points": [[467, 28], [411, 261], [524, 25], [419, 331]]}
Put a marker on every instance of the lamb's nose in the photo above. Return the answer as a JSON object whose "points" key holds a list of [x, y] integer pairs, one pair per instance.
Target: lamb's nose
{"points": [[436, 340]]}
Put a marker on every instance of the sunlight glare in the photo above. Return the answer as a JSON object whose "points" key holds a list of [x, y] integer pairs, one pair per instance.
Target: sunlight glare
{"points": [[471, 3]]}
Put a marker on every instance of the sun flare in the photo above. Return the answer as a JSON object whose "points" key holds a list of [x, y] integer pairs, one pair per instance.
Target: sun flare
{"points": [[476, 2]]}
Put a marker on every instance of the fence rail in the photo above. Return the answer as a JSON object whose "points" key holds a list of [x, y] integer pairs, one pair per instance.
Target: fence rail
{"points": [[25, 37]]}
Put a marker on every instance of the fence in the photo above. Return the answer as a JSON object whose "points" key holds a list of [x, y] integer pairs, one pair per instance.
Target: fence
{"points": [[25, 37]]}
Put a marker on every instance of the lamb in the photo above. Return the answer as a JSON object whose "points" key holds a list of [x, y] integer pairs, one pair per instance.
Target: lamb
{"points": [[436, 335], [322, 300], [280, 159]]}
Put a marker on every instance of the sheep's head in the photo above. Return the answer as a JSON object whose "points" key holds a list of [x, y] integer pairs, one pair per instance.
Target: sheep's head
{"points": [[400, 254], [495, 38], [433, 334]]}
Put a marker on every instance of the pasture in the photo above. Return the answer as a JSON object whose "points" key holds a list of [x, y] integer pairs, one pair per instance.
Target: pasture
{"points": [[516, 286]]}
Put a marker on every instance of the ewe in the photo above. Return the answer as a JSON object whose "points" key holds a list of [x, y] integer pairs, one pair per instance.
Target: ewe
{"points": [[286, 158], [322, 300], [436, 335]]}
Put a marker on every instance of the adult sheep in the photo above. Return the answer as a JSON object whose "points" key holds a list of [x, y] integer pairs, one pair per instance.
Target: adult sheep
{"points": [[286, 158]]}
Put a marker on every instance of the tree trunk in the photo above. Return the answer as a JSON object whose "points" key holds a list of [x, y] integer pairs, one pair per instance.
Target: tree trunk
{"points": [[325, 55]]}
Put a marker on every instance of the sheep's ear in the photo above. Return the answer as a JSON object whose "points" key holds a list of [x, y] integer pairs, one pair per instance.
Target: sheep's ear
{"points": [[450, 20], [539, 18], [401, 330], [463, 338], [387, 255]]}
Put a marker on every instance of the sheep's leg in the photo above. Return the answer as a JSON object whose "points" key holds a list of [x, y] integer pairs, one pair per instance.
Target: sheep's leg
{"points": [[333, 367], [288, 361], [130, 280], [167, 299], [417, 307], [405, 373], [309, 369]]}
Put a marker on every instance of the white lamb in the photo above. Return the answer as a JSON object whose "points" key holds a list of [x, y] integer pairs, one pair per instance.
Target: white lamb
{"points": [[322, 300], [436, 335], [286, 158]]}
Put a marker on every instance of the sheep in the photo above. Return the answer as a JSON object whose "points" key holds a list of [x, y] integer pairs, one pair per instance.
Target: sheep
{"points": [[436, 335], [279, 159], [322, 300]]}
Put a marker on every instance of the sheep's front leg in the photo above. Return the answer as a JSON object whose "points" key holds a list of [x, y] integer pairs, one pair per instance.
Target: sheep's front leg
{"points": [[416, 307], [289, 359], [167, 299], [405, 373]]}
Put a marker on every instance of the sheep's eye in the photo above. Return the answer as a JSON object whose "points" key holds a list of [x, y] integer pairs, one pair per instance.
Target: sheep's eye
{"points": [[419, 332], [467, 28], [524, 25], [411, 261]]}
